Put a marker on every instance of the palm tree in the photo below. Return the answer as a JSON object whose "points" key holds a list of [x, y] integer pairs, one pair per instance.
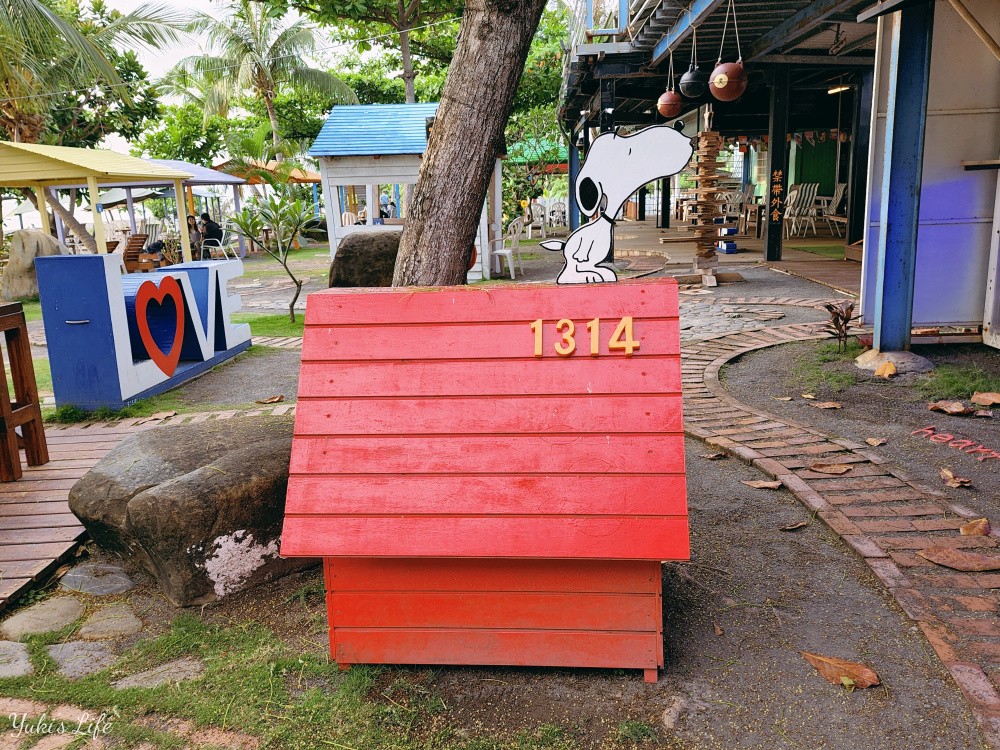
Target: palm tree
{"points": [[251, 50], [46, 52]]}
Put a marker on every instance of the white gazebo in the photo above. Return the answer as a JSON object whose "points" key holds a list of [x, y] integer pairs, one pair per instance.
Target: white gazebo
{"points": [[381, 146]]}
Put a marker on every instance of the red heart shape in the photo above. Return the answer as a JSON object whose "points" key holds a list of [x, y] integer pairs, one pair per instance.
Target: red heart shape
{"points": [[147, 291]]}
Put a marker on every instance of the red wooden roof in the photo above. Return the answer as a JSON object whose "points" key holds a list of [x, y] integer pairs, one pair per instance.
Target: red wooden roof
{"points": [[427, 427]]}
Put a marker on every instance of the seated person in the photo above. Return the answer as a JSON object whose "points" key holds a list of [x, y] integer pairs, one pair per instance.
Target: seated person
{"points": [[194, 234], [210, 231]]}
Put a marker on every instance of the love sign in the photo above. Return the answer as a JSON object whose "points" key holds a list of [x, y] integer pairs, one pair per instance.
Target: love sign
{"points": [[114, 339]]}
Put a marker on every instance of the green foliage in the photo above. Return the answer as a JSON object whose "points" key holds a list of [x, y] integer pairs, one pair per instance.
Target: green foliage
{"points": [[635, 732], [185, 134], [64, 76], [544, 67], [535, 135], [952, 382], [270, 325], [253, 49], [286, 217], [821, 367], [301, 112], [84, 119]]}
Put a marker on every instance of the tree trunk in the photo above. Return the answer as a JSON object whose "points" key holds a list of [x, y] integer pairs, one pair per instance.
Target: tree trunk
{"points": [[272, 115], [68, 219], [447, 201], [404, 49]]}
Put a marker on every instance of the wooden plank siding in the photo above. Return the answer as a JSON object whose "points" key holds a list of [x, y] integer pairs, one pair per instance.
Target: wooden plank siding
{"points": [[478, 503]]}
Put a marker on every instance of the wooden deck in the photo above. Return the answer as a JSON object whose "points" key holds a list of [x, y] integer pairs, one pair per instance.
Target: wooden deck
{"points": [[37, 530]]}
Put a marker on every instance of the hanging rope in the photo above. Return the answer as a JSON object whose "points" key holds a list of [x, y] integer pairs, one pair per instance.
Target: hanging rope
{"points": [[736, 30], [670, 73]]}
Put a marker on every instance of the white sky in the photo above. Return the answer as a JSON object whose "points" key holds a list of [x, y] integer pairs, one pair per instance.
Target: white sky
{"points": [[158, 62]]}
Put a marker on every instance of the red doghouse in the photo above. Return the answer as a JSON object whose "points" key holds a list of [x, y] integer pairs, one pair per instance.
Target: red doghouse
{"points": [[492, 475]]}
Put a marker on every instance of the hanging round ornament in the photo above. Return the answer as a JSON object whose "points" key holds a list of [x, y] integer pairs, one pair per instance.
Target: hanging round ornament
{"points": [[670, 104], [694, 83], [729, 80]]}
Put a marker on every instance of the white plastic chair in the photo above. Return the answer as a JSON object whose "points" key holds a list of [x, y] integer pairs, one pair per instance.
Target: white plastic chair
{"points": [[215, 247], [502, 250], [348, 219], [537, 218]]}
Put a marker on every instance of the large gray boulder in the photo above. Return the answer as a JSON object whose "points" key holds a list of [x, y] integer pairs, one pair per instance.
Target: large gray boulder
{"points": [[200, 505], [19, 279], [365, 259]]}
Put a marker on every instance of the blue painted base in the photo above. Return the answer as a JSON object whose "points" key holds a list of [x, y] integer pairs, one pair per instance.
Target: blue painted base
{"points": [[185, 372]]}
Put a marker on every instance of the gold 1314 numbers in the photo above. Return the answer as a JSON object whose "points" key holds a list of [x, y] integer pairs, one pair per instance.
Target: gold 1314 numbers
{"points": [[622, 340]]}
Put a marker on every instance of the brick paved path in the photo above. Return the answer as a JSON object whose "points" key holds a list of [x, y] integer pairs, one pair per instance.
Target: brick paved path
{"points": [[883, 514]]}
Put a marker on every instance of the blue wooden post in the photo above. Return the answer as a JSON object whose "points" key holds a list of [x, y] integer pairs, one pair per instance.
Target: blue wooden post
{"points": [[909, 75], [574, 171], [316, 199]]}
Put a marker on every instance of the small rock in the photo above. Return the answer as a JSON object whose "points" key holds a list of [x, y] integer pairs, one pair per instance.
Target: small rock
{"points": [[14, 659], [97, 580], [113, 621], [44, 617], [78, 659], [174, 671], [676, 707], [905, 362]]}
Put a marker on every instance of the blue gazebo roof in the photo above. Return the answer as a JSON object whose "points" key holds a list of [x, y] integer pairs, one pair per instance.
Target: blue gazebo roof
{"points": [[374, 130]]}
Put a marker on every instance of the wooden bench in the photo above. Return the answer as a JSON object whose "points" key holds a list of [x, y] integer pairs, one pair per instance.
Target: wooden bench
{"points": [[24, 411], [133, 252]]}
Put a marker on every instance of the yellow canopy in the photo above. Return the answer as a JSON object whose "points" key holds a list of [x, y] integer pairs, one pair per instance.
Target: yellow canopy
{"points": [[31, 165]]}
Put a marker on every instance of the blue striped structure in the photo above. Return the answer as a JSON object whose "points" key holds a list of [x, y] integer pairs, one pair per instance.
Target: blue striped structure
{"points": [[374, 130]]}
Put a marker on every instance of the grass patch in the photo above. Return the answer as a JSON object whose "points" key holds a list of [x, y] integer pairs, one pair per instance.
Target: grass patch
{"points": [[950, 381], [813, 371], [147, 407], [32, 308], [255, 683], [635, 732], [272, 325]]}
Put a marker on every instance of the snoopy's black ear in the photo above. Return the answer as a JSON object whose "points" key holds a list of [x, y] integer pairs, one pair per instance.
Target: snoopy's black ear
{"points": [[589, 195]]}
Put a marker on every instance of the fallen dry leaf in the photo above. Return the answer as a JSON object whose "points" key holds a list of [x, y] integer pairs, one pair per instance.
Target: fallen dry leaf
{"points": [[985, 399], [271, 400], [713, 456], [794, 526], [956, 408], [983, 413], [831, 468], [952, 481], [828, 405], [835, 670], [782, 398], [761, 484], [718, 628], [926, 331], [809, 396], [876, 442], [979, 527], [956, 559], [885, 370]]}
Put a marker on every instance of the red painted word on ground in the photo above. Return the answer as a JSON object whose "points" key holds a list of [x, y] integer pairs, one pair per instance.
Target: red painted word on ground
{"points": [[969, 447]]}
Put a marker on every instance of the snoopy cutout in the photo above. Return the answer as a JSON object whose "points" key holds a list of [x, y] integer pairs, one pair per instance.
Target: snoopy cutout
{"points": [[616, 167]]}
